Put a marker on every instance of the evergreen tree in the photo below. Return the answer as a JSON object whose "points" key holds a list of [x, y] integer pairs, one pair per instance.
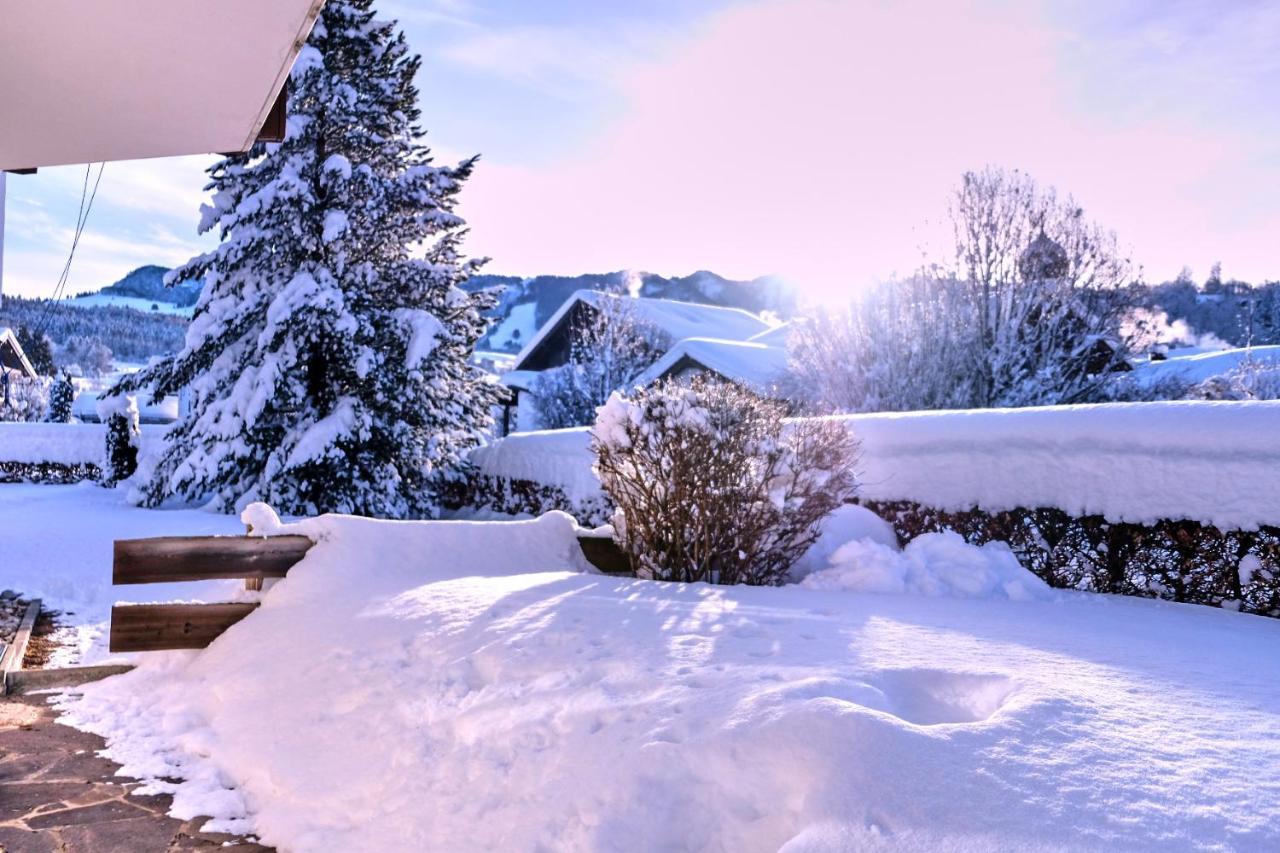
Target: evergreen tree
{"points": [[38, 349], [61, 396], [328, 366]]}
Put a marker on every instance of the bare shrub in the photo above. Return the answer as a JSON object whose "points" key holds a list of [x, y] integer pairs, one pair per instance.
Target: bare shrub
{"points": [[712, 484]]}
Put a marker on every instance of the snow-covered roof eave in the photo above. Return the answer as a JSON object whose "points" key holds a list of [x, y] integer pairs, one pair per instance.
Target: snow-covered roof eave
{"points": [[93, 82], [591, 297], [695, 350], [547, 327], [8, 337]]}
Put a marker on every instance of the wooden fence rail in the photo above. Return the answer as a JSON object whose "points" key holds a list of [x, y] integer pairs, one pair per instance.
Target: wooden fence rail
{"points": [[196, 558], [169, 559]]}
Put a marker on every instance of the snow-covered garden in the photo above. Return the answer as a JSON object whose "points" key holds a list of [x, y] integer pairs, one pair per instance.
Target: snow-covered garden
{"points": [[470, 686], [937, 588]]}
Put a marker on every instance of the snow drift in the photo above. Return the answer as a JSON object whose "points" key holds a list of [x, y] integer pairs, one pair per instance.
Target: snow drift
{"points": [[1213, 462], [466, 686]]}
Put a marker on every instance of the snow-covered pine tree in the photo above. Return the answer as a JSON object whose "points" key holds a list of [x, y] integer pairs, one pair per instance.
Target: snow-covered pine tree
{"points": [[62, 395], [328, 365]]}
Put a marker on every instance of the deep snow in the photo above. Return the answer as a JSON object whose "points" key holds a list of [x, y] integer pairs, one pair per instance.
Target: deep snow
{"points": [[464, 686]]}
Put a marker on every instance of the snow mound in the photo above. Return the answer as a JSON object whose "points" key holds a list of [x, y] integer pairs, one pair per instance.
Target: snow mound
{"points": [[464, 686], [940, 565], [845, 524]]}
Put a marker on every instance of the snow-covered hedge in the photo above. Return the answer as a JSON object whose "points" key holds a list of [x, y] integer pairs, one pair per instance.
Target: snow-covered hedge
{"points": [[1170, 500], [59, 453], [1215, 463]]}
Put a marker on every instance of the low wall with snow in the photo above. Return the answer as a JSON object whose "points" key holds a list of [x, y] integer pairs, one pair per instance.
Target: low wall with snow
{"points": [[1213, 462], [61, 452]]}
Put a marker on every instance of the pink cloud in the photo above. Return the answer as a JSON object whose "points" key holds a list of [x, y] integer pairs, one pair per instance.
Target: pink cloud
{"points": [[819, 139]]}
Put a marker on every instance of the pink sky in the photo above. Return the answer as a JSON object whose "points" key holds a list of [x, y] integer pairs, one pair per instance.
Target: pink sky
{"points": [[811, 138], [818, 139]]}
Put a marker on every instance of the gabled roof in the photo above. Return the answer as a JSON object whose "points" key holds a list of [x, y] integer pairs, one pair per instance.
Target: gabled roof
{"points": [[754, 365], [89, 81], [775, 337], [11, 355], [677, 320]]}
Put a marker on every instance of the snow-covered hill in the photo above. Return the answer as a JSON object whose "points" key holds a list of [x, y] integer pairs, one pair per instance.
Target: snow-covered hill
{"points": [[143, 288], [97, 300]]}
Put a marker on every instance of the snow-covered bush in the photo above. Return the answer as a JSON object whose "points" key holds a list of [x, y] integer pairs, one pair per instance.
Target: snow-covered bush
{"points": [[711, 483], [61, 396], [22, 398], [120, 459], [328, 359]]}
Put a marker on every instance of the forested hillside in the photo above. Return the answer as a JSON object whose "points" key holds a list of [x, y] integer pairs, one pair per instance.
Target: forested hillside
{"points": [[131, 336]]}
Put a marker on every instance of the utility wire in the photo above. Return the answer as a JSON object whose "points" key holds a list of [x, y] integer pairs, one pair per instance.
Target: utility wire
{"points": [[82, 217]]}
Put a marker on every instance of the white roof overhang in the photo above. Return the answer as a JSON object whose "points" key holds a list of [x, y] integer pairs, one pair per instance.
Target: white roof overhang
{"points": [[84, 81]]}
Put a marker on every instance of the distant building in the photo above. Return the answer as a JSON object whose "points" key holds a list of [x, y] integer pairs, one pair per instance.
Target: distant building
{"points": [[12, 358], [755, 364], [696, 337]]}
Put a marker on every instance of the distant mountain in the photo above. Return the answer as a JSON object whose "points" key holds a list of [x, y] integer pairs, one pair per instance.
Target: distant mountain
{"points": [[527, 303], [148, 283]]}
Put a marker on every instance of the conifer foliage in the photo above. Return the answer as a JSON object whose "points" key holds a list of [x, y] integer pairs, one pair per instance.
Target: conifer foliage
{"points": [[328, 359], [62, 395]]}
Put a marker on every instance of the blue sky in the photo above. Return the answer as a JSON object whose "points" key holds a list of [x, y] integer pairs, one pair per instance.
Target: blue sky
{"points": [[812, 138]]}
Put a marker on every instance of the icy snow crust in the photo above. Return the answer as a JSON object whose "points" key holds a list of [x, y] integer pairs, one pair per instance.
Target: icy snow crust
{"points": [[465, 686], [1214, 462]]}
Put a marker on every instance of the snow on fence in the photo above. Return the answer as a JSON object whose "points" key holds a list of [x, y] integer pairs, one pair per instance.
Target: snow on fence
{"points": [[60, 453], [1177, 500], [1213, 462]]}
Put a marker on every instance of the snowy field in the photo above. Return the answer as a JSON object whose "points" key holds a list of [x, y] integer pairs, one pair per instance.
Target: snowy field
{"points": [[94, 300], [469, 686]]}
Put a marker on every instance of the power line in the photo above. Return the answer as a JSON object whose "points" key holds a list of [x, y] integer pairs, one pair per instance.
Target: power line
{"points": [[82, 217]]}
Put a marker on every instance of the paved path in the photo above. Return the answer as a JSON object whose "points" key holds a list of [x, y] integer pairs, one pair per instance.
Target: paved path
{"points": [[57, 794]]}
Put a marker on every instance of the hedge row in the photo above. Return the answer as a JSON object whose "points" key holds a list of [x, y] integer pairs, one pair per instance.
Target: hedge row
{"points": [[1173, 560], [57, 473], [524, 497]]}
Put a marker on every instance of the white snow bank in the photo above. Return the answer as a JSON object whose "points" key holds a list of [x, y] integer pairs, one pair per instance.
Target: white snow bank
{"points": [[846, 524], [1214, 462], [64, 444], [560, 458], [459, 686], [1198, 366], [935, 564]]}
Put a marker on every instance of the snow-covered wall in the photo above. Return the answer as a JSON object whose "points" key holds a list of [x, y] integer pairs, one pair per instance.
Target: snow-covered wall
{"points": [[64, 444], [1213, 462]]}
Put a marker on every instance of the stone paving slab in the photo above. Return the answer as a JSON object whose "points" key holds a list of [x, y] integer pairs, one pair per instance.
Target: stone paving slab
{"points": [[58, 796]]}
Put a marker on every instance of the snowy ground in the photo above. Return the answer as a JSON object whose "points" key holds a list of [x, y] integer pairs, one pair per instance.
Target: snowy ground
{"points": [[55, 544], [464, 686]]}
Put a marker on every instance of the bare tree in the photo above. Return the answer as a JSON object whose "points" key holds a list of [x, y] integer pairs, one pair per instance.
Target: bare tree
{"points": [[712, 485], [610, 346], [1029, 310], [1046, 286]]}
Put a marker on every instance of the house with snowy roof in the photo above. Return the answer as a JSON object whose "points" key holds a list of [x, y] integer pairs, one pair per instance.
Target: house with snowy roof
{"points": [[757, 363], [691, 336], [12, 358]]}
